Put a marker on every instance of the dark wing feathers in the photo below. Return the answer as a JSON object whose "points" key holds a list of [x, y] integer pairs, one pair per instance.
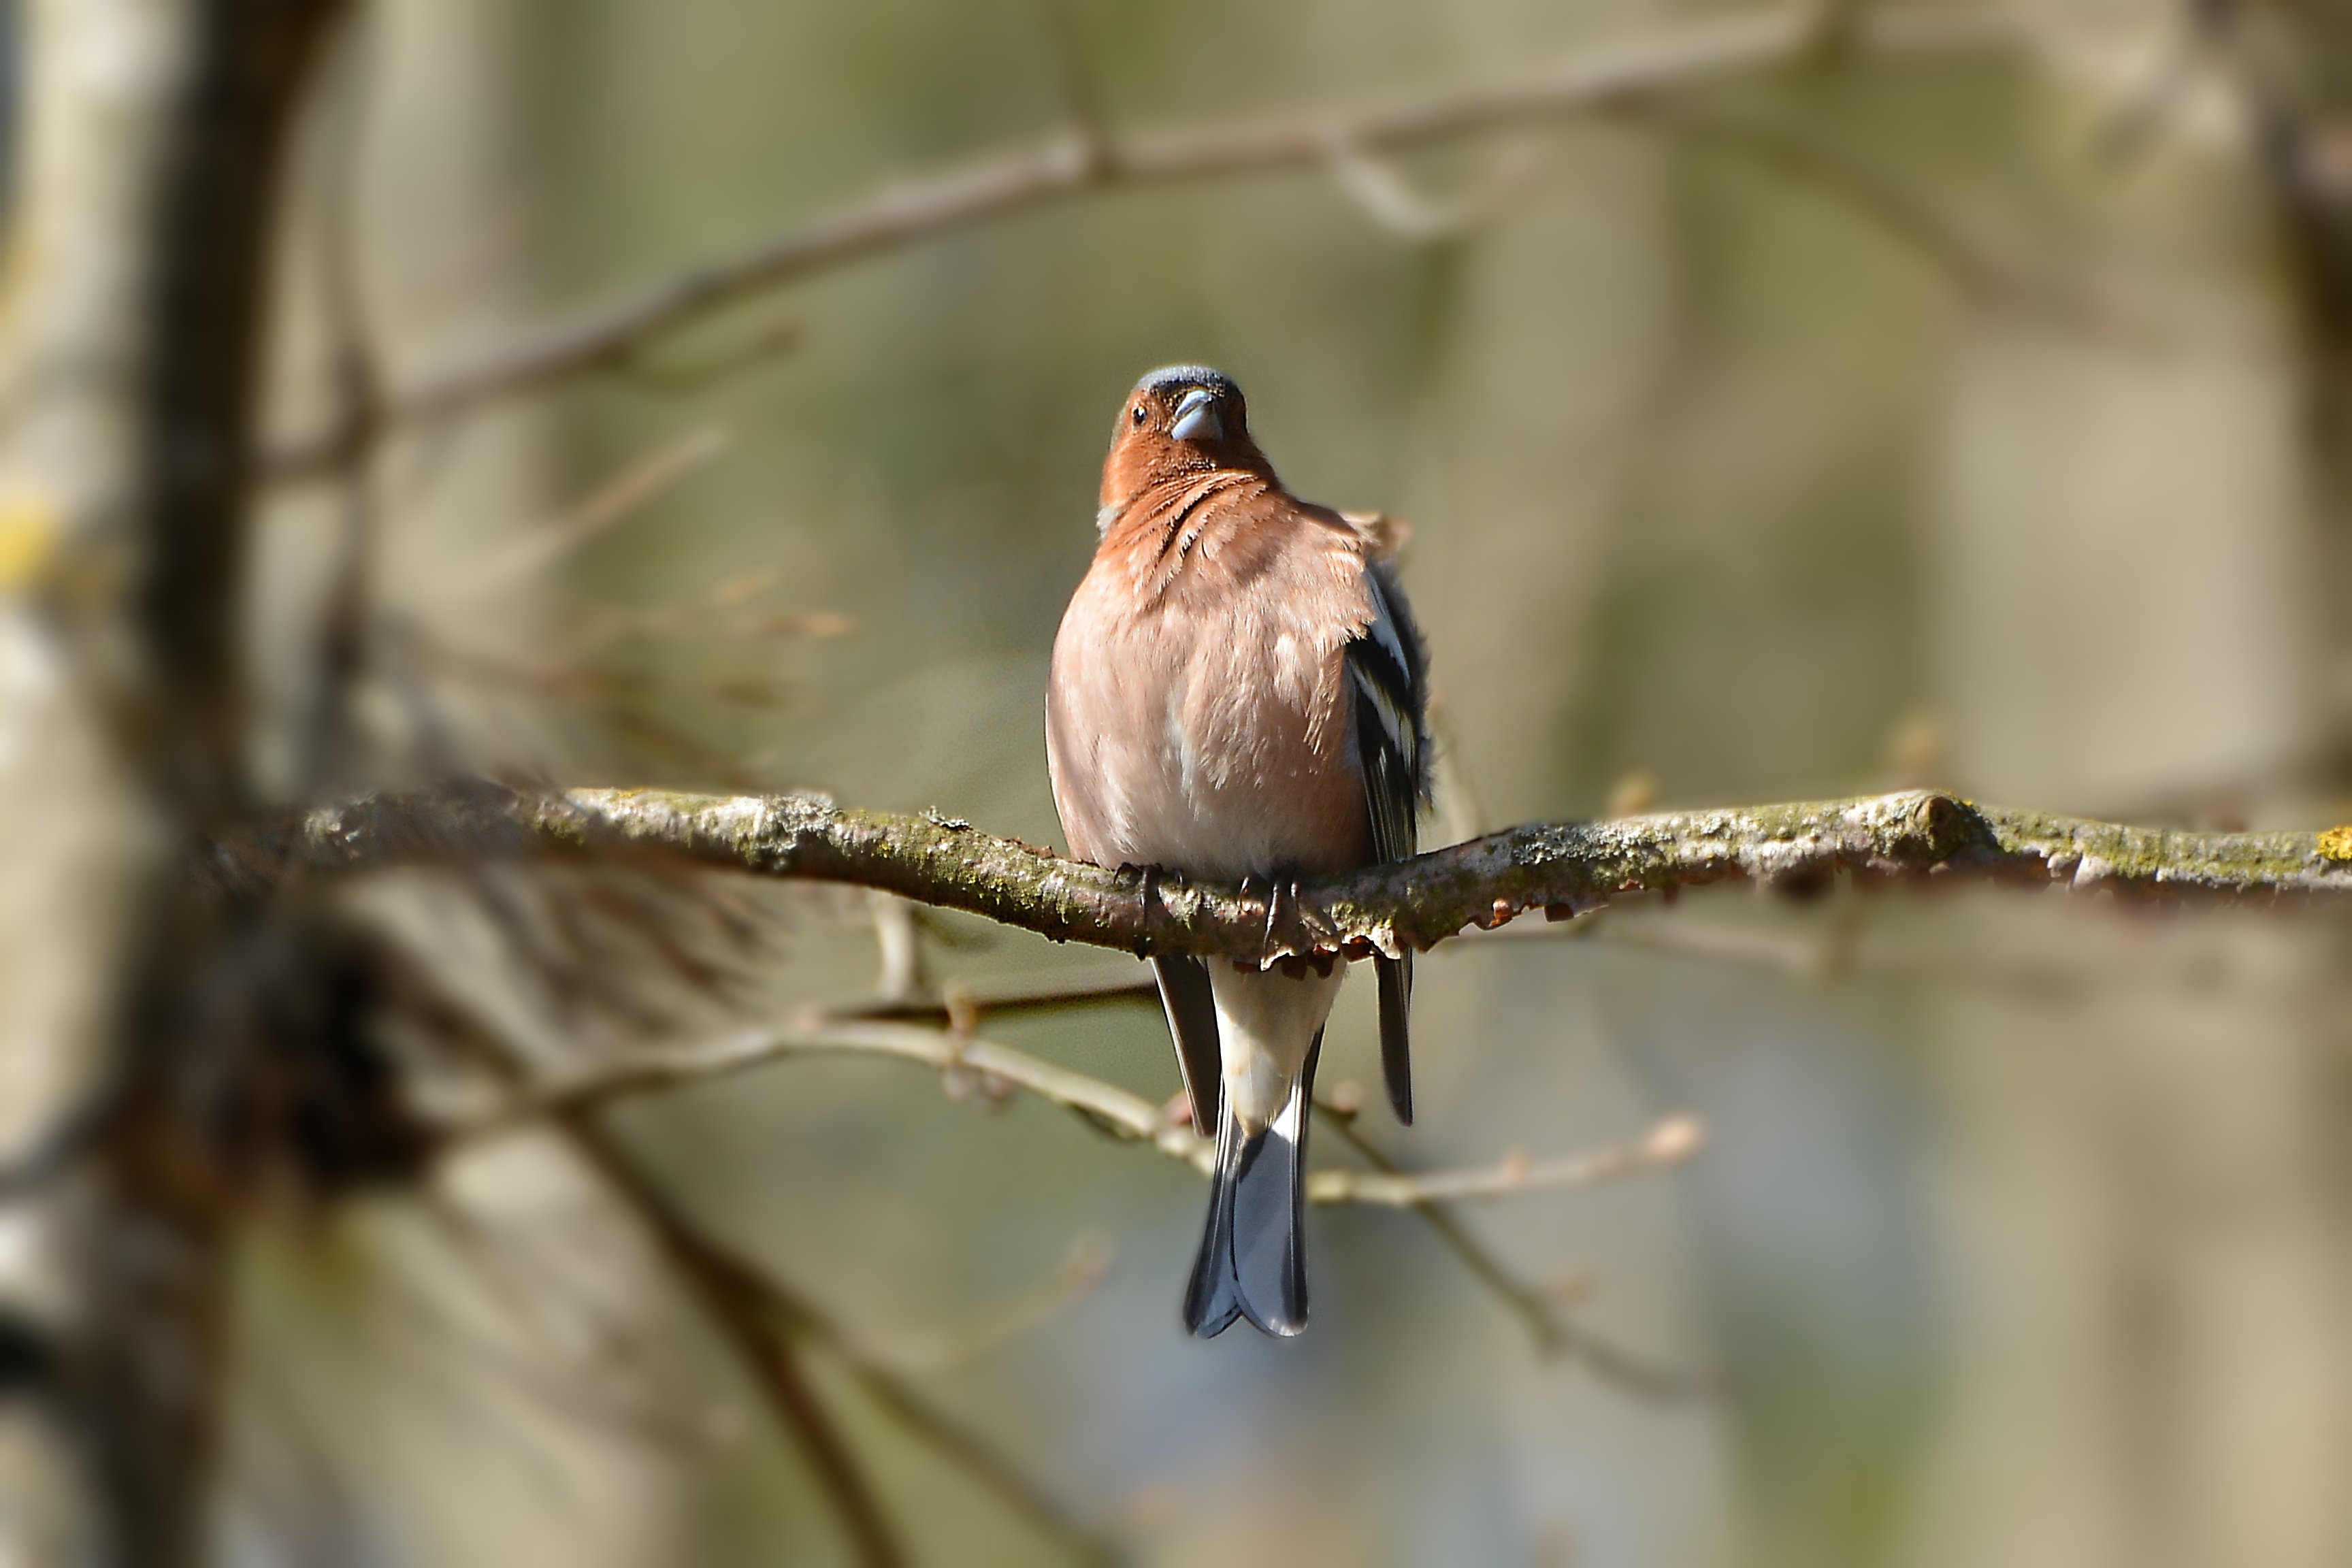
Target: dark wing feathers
{"points": [[1388, 669], [1193, 1019]]}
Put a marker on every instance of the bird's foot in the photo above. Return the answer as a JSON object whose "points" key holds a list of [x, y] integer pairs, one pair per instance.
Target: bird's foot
{"points": [[1282, 893]]}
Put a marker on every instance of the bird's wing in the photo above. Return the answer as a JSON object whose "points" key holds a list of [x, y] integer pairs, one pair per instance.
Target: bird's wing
{"points": [[1193, 1019], [1387, 674]]}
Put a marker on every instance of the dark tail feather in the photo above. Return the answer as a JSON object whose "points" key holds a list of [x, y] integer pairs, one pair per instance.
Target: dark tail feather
{"points": [[1253, 1259], [1395, 977]]}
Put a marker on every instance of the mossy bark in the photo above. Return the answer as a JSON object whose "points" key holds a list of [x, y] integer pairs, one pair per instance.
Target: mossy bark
{"points": [[1563, 867]]}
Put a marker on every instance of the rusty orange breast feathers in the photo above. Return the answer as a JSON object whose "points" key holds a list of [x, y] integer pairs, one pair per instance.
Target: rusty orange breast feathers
{"points": [[1197, 710]]}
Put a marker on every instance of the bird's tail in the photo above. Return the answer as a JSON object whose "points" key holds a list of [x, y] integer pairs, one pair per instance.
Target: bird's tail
{"points": [[1253, 1259]]}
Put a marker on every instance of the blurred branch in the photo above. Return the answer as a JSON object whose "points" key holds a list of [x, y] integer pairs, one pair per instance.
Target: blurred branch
{"points": [[1973, 272], [968, 1062], [328, 733], [1847, 949], [1553, 1333], [2289, 66], [896, 1397], [739, 1300], [1563, 869], [596, 683], [1062, 996], [1103, 1106], [145, 144], [1081, 1273], [760, 1318], [1390, 200], [1593, 82], [972, 1063], [623, 497], [1669, 1143]]}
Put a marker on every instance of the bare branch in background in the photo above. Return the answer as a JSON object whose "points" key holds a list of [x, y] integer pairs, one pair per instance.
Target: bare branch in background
{"points": [[737, 1300], [1390, 200], [969, 1064], [899, 937], [1844, 950], [1107, 992], [928, 1351], [1553, 1332], [356, 390], [1106, 1107], [1973, 272], [1594, 81], [146, 144], [1669, 1143], [769, 1326], [622, 498], [1564, 868]]}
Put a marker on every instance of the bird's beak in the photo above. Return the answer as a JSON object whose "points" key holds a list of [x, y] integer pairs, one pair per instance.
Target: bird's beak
{"points": [[1197, 419]]}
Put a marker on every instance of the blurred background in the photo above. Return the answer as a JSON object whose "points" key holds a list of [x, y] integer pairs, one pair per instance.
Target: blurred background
{"points": [[1965, 413]]}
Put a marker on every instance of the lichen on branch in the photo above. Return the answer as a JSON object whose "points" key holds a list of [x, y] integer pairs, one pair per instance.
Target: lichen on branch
{"points": [[1566, 868]]}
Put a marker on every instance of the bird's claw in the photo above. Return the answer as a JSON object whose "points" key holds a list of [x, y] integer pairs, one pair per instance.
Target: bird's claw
{"points": [[1280, 891]]}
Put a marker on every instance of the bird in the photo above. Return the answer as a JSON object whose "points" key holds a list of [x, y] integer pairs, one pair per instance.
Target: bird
{"points": [[1238, 692]]}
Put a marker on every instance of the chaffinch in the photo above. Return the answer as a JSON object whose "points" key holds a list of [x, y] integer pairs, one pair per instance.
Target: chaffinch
{"points": [[1237, 692]]}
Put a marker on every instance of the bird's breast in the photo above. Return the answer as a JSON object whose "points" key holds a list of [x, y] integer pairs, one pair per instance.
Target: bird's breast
{"points": [[1205, 730]]}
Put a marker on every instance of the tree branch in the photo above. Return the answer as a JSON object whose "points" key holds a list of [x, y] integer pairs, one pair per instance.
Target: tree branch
{"points": [[1554, 1333], [1669, 1143], [145, 147], [1106, 1107], [737, 1300], [1564, 867], [573, 1103], [1594, 81]]}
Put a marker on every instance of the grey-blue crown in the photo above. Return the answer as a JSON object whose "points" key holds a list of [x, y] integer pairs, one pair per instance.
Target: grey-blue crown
{"points": [[1173, 377]]}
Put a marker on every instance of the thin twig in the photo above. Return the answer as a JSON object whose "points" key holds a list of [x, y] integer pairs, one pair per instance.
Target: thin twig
{"points": [[760, 1318], [758, 1293], [896, 1398], [1974, 273], [617, 500], [1846, 951], [1109, 990], [1103, 1106], [357, 391], [1126, 1116], [735, 1299], [1670, 1143], [1132, 1119], [1596, 81], [1554, 1334], [595, 683], [1791, 952], [929, 1352]]}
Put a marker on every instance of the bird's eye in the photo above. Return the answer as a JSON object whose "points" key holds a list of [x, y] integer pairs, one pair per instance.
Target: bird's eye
{"points": [[1139, 414]]}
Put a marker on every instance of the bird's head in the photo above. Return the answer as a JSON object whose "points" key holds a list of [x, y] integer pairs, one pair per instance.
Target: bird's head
{"points": [[1180, 420]]}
